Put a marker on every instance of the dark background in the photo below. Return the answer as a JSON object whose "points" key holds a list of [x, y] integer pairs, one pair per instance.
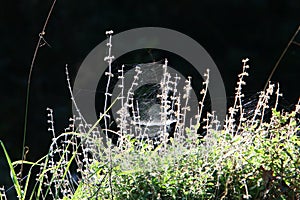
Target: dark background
{"points": [[228, 30]]}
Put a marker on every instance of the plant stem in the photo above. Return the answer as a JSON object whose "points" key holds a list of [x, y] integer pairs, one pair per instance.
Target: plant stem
{"points": [[38, 45]]}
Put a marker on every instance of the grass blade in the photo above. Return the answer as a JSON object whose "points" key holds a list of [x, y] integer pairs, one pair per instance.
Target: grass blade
{"points": [[13, 173]]}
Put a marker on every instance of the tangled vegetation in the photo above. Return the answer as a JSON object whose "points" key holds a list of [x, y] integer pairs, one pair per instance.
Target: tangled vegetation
{"points": [[249, 157]]}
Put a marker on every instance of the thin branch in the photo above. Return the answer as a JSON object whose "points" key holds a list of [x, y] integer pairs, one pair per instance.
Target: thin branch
{"points": [[281, 56], [38, 45], [296, 43]]}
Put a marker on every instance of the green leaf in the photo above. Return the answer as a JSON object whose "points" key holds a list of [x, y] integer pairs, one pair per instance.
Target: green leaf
{"points": [[13, 173]]}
